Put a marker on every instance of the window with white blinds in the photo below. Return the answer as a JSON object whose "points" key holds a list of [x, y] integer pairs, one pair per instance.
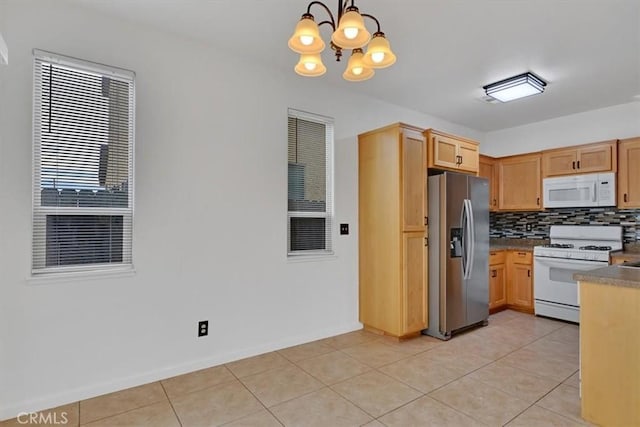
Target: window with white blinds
{"points": [[310, 173], [83, 133]]}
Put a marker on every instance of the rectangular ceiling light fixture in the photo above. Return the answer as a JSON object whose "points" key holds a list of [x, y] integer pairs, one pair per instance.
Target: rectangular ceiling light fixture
{"points": [[516, 87]]}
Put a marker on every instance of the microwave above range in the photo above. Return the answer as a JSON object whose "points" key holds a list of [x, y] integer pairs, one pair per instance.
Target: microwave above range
{"points": [[594, 189]]}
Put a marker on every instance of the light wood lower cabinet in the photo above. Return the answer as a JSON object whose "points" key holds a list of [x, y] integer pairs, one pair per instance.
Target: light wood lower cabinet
{"points": [[609, 354], [520, 276], [392, 178], [497, 281], [510, 280]]}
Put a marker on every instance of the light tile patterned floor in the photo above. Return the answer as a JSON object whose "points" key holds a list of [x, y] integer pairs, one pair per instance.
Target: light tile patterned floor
{"points": [[520, 370]]}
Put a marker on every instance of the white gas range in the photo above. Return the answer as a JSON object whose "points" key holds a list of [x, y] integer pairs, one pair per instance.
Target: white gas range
{"points": [[572, 248]]}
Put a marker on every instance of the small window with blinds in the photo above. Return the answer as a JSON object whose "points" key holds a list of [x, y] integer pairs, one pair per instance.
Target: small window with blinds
{"points": [[310, 175], [83, 133]]}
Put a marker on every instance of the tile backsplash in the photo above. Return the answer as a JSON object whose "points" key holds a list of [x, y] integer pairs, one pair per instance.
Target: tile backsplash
{"points": [[514, 224]]}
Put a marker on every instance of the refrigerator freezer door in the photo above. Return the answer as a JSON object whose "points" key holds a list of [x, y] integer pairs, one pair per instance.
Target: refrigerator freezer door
{"points": [[477, 285], [455, 192]]}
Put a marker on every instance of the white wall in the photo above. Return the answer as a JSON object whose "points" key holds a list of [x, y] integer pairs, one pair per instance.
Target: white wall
{"points": [[617, 122], [210, 219]]}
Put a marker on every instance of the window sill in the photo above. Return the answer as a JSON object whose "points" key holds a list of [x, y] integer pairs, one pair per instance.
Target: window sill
{"points": [[312, 258], [74, 276]]}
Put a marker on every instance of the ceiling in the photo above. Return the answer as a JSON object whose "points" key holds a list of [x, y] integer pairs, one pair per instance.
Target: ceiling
{"points": [[587, 50]]}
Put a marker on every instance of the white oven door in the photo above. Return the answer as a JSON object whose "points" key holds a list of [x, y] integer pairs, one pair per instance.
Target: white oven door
{"points": [[553, 278]]}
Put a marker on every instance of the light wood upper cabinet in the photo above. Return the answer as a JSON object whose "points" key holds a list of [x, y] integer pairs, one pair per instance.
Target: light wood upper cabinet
{"points": [[392, 178], [520, 182], [451, 152], [628, 173], [589, 158], [487, 168]]}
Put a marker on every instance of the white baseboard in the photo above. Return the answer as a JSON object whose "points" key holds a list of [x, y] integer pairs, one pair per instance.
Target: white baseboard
{"points": [[81, 393]]}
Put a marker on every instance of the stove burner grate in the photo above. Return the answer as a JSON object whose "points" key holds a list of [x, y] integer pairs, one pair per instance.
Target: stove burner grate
{"points": [[558, 245]]}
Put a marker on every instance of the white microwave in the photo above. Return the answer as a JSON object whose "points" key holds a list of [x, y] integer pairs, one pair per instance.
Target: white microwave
{"points": [[595, 189]]}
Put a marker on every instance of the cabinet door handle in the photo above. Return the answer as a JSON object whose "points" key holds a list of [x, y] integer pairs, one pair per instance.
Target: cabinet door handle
{"points": [[528, 273], [494, 273], [494, 202], [573, 165], [522, 254], [625, 198], [578, 164], [538, 201], [426, 220], [426, 241]]}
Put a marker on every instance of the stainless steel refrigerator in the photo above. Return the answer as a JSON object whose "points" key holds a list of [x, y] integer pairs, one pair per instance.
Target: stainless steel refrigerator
{"points": [[458, 253]]}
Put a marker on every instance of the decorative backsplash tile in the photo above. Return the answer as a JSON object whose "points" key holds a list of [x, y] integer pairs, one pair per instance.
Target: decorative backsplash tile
{"points": [[514, 225]]}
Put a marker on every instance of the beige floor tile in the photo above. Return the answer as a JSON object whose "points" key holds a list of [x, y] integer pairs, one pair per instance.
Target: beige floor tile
{"points": [[412, 346], [257, 364], [515, 382], [350, 339], [564, 400], [508, 335], [479, 401], [259, 419], [452, 355], [376, 393], [306, 351], [540, 363], [279, 385], [66, 415], [156, 415], [568, 333], [427, 411], [197, 380], [215, 405], [503, 316], [422, 373], [121, 401], [540, 417], [374, 423], [333, 367], [319, 409], [374, 353], [486, 347], [538, 326], [568, 351], [574, 380]]}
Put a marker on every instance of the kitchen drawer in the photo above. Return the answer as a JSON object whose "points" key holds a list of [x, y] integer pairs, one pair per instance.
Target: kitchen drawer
{"points": [[522, 257], [496, 257]]}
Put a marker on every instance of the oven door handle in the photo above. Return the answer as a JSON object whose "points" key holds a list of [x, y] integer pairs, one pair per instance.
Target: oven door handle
{"points": [[566, 263]]}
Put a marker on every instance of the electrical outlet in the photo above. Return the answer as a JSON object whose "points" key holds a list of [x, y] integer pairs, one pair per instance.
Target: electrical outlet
{"points": [[528, 227], [203, 328], [344, 228]]}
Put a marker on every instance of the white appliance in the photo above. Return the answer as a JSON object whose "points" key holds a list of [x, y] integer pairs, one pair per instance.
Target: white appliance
{"points": [[573, 248], [595, 189]]}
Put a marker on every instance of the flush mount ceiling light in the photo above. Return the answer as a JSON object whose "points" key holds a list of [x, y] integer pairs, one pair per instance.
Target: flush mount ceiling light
{"points": [[350, 33], [516, 87]]}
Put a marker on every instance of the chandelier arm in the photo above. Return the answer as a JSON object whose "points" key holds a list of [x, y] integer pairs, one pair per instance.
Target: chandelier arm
{"points": [[333, 22], [366, 15], [328, 22]]}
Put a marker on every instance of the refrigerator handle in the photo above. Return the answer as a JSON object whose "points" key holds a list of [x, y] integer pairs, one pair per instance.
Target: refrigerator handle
{"points": [[463, 237], [471, 232]]}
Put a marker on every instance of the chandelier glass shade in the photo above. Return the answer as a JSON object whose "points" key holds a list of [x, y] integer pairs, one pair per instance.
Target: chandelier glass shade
{"points": [[349, 33]]}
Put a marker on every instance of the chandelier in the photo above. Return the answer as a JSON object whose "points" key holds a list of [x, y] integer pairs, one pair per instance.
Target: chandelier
{"points": [[350, 33]]}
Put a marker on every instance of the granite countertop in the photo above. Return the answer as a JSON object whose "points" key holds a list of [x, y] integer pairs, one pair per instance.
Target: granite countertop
{"points": [[613, 275], [515, 244]]}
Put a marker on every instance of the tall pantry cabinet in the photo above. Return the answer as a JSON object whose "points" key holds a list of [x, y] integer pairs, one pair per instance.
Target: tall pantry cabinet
{"points": [[392, 176]]}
